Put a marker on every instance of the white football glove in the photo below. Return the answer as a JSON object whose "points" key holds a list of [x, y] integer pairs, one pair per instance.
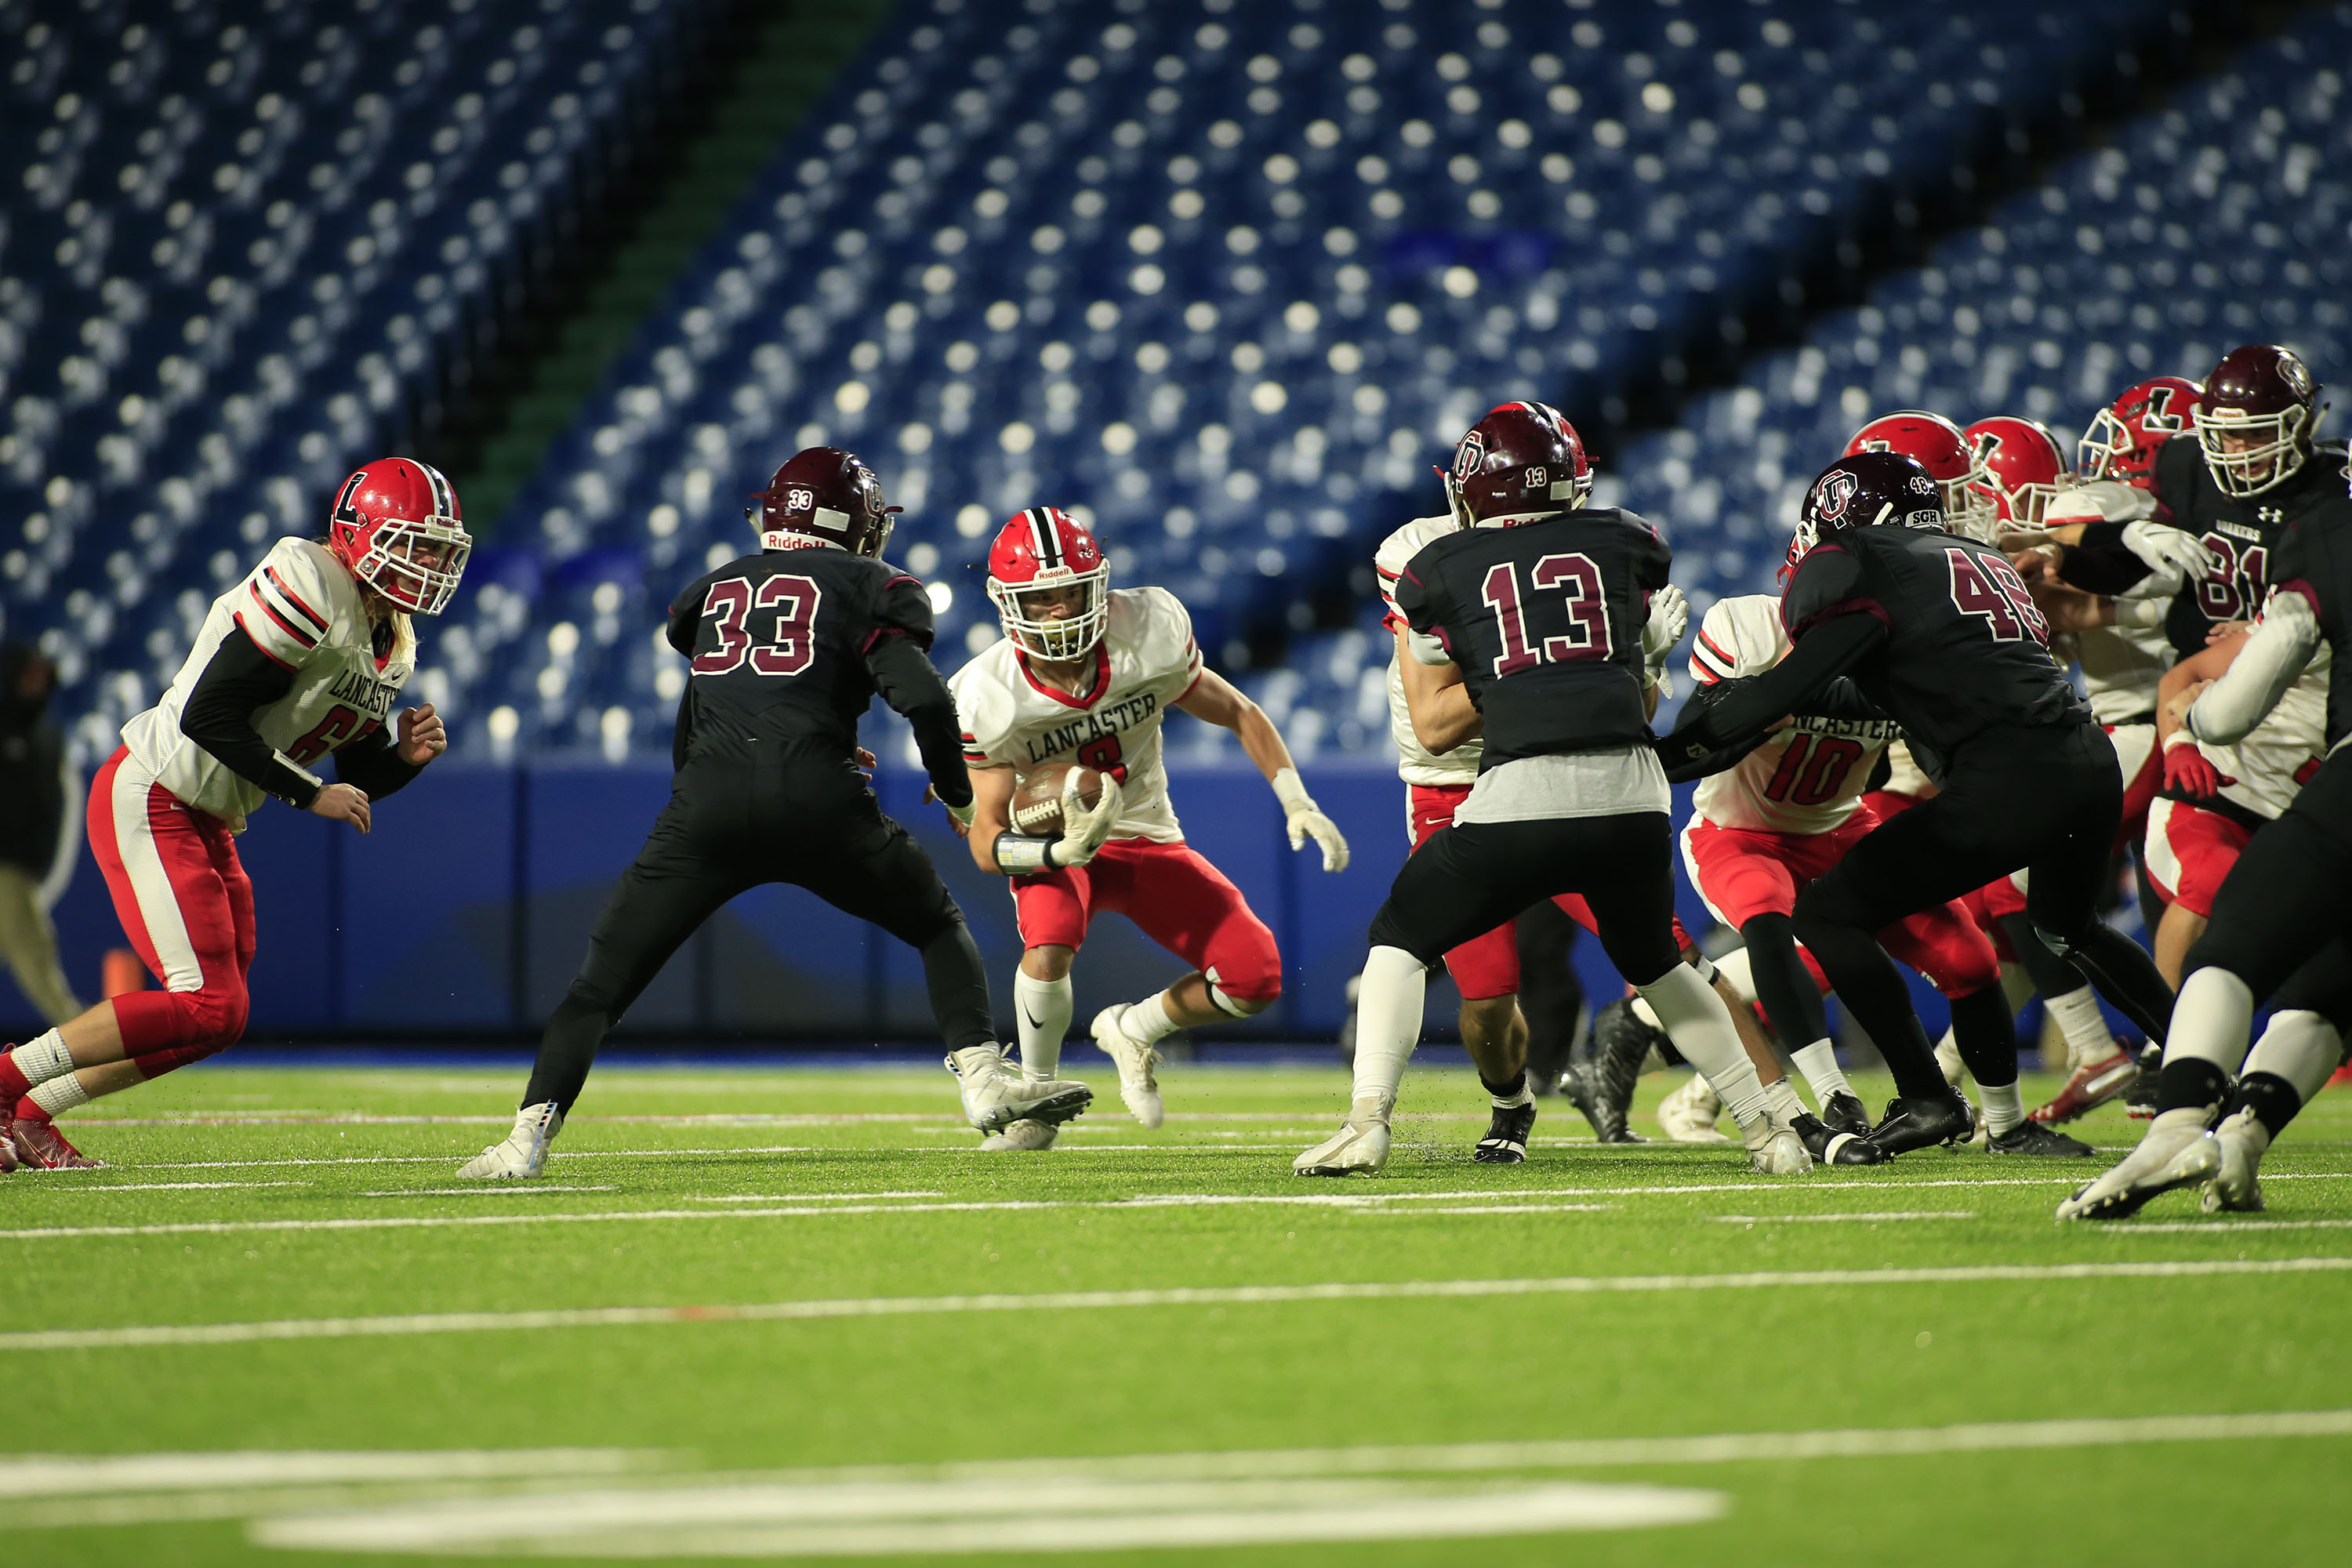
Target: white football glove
{"points": [[1669, 618], [963, 815], [1083, 831], [2168, 549], [1304, 820]]}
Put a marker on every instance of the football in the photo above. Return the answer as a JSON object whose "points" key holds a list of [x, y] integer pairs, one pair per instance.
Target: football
{"points": [[1037, 797]]}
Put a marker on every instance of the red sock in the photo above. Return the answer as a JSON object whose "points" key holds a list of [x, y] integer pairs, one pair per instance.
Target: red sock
{"points": [[14, 1084], [30, 1110]]}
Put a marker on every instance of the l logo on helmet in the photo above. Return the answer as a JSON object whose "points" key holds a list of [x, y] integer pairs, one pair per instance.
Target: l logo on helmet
{"points": [[1469, 457], [1835, 495]]}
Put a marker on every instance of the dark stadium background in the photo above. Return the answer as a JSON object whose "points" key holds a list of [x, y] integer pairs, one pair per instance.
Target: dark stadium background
{"points": [[1225, 277]]}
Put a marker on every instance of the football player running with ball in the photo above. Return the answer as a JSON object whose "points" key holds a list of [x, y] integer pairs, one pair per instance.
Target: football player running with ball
{"points": [[1541, 605], [302, 659], [787, 648], [1940, 632], [1084, 677]]}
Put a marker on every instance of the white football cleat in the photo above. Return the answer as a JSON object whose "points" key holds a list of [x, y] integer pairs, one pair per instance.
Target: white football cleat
{"points": [[997, 1095], [522, 1153], [1136, 1086], [1688, 1115], [1027, 1133], [1358, 1148], [1781, 1154], [2236, 1186], [2168, 1157]]}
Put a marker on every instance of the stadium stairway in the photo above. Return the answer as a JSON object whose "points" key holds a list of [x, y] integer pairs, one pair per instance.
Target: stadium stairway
{"points": [[772, 64]]}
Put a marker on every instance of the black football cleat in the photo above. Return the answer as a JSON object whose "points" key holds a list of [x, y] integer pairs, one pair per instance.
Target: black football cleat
{"points": [[1844, 1113], [2031, 1137], [2139, 1099], [1828, 1146], [1603, 1085], [1922, 1122], [1506, 1142]]}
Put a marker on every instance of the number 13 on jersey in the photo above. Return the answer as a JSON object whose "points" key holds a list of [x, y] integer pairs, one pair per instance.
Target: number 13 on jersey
{"points": [[1571, 576]]}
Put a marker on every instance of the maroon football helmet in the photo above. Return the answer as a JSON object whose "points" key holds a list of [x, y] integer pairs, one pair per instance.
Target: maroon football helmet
{"points": [[2123, 439], [825, 496], [1040, 550], [1522, 460], [2022, 467], [1862, 489], [2256, 418], [395, 525], [1936, 444]]}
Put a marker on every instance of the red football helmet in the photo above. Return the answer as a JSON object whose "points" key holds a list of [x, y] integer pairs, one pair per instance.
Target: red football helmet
{"points": [[2123, 438], [1522, 460], [822, 496], [2023, 465], [2257, 417], [395, 526], [1042, 552], [1938, 446]]}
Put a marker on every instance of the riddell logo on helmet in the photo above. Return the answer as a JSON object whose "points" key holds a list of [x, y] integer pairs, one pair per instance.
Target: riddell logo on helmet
{"points": [[1469, 457]]}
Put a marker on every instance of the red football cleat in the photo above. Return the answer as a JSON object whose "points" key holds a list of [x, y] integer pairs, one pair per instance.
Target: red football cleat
{"points": [[42, 1146], [2088, 1087]]}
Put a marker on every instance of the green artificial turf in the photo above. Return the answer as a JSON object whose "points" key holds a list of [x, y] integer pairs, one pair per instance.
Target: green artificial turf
{"points": [[692, 1400]]}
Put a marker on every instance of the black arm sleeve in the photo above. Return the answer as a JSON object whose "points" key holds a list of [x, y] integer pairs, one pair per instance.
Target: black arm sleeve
{"points": [[912, 687], [373, 765], [219, 718], [1840, 698], [1699, 702], [2100, 564], [1827, 650]]}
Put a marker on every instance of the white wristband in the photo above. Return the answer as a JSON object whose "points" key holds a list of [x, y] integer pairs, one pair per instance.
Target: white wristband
{"points": [[1293, 795]]}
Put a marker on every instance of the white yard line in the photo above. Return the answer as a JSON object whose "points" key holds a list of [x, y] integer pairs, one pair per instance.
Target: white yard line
{"points": [[1505, 1208], [486, 1189], [1092, 1300], [805, 1197], [74, 1475], [1840, 1218], [98, 1187], [2223, 1226]]}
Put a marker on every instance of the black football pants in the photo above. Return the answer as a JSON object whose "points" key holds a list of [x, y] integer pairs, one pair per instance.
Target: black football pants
{"points": [[811, 822], [1471, 877], [2046, 800]]}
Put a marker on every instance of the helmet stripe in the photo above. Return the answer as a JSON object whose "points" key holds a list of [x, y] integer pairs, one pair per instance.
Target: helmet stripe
{"points": [[1041, 531]]}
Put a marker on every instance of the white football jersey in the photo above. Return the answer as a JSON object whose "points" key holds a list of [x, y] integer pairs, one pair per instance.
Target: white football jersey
{"points": [[1145, 661], [302, 610], [1807, 777], [2271, 762], [2121, 666], [1905, 776], [1415, 762]]}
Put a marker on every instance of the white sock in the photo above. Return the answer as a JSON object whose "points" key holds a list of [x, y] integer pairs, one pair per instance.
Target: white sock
{"points": [[43, 1058], [1699, 1023], [1044, 1006], [1388, 1026], [1148, 1020], [2210, 1019], [2003, 1108], [59, 1094], [2302, 1047], [1819, 1063], [1949, 1057], [1527, 1096], [1781, 1096], [2085, 1027]]}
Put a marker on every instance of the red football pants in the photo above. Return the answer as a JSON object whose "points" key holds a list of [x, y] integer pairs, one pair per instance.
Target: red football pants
{"points": [[1174, 896], [187, 907]]}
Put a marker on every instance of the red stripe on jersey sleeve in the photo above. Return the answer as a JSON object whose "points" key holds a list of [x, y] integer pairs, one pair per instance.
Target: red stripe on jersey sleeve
{"points": [[295, 599], [259, 647], [1729, 662]]}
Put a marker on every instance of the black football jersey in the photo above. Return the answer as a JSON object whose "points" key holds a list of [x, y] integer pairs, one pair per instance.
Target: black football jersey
{"points": [[776, 644], [1965, 648], [2315, 560], [1545, 620], [2242, 531]]}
